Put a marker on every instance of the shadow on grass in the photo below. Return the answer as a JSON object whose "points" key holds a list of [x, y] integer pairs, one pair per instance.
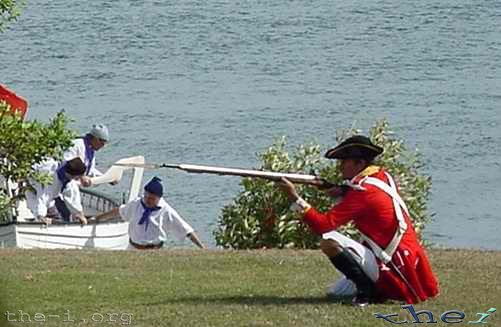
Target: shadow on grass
{"points": [[253, 300]]}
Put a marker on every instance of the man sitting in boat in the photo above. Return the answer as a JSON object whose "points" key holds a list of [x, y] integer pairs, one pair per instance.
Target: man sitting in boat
{"points": [[40, 198], [390, 263], [150, 217], [85, 149]]}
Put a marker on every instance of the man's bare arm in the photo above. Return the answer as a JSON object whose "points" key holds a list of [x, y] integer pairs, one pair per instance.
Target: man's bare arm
{"points": [[194, 238], [108, 215]]}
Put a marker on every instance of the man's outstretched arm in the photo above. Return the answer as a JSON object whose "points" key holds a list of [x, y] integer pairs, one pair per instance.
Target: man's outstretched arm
{"points": [[194, 238], [108, 215]]}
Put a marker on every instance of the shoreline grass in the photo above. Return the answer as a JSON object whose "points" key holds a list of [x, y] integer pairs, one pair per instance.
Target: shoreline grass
{"points": [[218, 288]]}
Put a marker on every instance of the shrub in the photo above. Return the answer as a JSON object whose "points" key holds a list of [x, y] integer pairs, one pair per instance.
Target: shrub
{"points": [[259, 216], [24, 144], [9, 11]]}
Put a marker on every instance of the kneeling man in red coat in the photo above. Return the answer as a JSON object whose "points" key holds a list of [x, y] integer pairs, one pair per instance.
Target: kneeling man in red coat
{"points": [[389, 261]]}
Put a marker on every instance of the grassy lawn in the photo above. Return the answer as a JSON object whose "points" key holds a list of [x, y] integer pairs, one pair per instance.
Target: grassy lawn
{"points": [[217, 288]]}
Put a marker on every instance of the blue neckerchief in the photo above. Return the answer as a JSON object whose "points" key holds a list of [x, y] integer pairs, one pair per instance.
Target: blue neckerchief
{"points": [[61, 175], [89, 153], [145, 218]]}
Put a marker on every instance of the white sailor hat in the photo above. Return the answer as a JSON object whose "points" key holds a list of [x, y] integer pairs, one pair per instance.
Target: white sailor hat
{"points": [[101, 132]]}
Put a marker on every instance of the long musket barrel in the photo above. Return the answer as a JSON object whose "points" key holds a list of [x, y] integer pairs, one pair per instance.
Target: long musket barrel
{"points": [[199, 169]]}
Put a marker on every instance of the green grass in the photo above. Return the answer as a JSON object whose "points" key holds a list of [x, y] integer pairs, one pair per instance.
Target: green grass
{"points": [[219, 288]]}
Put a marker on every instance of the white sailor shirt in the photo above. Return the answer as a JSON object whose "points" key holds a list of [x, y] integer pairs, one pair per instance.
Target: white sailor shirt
{"points": [[39, 201], [77, 150], [166, 219]]}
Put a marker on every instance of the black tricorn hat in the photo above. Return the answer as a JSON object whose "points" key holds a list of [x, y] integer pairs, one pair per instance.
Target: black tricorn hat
{"points": [[355, 147], [75, 167]]}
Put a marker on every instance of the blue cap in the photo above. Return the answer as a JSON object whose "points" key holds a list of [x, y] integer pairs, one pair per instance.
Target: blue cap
{"points": [[155, 186]]}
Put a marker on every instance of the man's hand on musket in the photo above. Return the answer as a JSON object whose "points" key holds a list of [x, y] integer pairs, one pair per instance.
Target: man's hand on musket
{"points": [[286, 186]]}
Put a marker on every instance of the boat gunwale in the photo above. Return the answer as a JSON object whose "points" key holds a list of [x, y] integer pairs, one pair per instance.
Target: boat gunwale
{"points": [[93, 193]]}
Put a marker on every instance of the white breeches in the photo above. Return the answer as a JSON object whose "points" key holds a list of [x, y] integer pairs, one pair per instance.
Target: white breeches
{"points": [[344, 287]]}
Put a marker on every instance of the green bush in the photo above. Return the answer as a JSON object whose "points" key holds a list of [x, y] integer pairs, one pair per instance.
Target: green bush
{"points": [[26, 143], [9, 11], [259, 217]]}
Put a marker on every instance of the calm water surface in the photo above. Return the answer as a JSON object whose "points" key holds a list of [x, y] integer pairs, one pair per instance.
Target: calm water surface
{"points": [[213, 82]]}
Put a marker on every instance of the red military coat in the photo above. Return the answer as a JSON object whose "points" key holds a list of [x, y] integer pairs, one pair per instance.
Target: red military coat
{"points": [[373, 213]]}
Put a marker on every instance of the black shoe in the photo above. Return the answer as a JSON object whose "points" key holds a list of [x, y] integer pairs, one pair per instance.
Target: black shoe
{"points": [[360, 301]]}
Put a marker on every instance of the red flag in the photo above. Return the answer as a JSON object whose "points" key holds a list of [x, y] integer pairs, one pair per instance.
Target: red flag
{"points": [[17, 103]]}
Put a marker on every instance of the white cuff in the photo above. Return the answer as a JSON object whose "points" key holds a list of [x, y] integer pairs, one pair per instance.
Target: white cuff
{"points": [[300, 205]]}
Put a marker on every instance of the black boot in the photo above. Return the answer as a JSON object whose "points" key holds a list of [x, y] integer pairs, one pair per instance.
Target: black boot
{"points": [[346, 263]]}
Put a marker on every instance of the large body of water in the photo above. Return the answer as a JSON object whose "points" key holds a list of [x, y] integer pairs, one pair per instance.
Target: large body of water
{"points": [[213, 82]]}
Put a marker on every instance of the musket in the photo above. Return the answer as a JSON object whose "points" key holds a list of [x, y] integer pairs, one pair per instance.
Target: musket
{"points": [[274, 176]]}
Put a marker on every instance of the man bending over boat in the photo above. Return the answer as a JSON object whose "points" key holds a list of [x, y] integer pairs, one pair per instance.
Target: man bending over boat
{"points": [[40, 198], [390, 262], [85, 149], [150, 217]]}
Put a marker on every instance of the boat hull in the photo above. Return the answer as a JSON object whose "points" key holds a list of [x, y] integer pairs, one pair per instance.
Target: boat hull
{"points": [[106, 236], [23, 231]]}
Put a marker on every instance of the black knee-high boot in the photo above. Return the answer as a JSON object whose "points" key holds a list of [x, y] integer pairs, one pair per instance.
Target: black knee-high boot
{"points": [[346, 263]]}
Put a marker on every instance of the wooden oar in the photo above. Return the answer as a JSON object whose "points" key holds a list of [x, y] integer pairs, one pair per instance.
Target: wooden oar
{"points": [[114, 174]]}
